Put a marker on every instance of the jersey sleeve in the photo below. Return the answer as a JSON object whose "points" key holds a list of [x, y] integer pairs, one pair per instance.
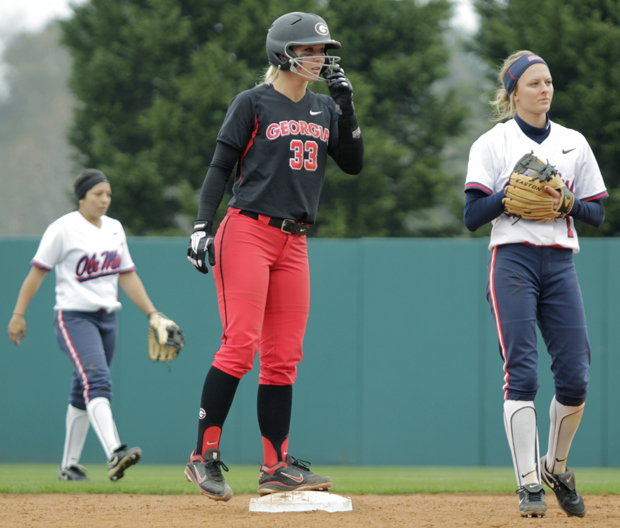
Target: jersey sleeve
{"points": [[224, 160], [483, 166], [127, 265], [346, 144], [334, 133], [239, 122], [589, 183], [50, 249]]}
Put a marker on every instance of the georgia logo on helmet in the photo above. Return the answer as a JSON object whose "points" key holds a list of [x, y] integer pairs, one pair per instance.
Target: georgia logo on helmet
{"points": [[321, 28], [297, 29]]}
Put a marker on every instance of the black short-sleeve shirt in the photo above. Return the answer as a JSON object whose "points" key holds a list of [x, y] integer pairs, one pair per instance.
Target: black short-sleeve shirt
{"points": [[284, 146]]}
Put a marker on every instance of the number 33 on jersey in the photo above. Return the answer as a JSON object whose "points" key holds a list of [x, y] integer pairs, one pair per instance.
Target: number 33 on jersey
{"points": [[284, 146], [304, 151]]}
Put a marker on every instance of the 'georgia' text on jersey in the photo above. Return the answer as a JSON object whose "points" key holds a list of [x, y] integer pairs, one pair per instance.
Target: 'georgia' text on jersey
{"points": [[284, 147]]}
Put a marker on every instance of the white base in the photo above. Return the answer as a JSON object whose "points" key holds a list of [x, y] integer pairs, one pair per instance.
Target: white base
{"points": [[297, 501]]}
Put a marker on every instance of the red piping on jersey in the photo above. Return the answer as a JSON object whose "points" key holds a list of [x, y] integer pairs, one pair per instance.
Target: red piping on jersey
{"points": [[40, 266], [569, 223], [478, 186], [74, 355], [498, 323], [597, 197], [553, 246], [248, 146]]}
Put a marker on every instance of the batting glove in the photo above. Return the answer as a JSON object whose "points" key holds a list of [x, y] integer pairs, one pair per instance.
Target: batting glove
{"points": [[201, 243], [340, 88]]}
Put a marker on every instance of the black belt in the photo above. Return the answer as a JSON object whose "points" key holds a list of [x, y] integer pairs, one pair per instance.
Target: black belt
{"points": [[285, 225]]}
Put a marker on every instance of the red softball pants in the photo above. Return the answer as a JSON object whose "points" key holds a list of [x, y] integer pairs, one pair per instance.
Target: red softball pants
{"points": [[263, 288]]}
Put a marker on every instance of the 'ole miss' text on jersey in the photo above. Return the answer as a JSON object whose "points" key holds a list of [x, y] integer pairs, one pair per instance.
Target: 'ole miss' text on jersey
{"points": [[88, 260]]}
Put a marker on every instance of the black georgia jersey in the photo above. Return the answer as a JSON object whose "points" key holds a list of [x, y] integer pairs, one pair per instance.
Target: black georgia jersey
{"points": [[284, 148]]}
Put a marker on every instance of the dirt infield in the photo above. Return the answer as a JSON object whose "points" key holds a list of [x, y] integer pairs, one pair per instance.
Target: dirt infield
{"points": [[398, 511]]}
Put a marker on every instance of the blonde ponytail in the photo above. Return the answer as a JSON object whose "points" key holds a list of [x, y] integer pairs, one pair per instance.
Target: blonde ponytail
{"points": [[503, 105]]}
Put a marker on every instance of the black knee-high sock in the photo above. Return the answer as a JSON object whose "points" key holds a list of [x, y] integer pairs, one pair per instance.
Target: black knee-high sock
{"points": [[218, 393], [274, 405]]}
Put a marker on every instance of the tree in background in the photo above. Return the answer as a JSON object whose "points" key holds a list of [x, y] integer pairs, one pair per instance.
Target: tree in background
{"points": [[394, 53], [154, 78], [580, 40], [35, 169]]}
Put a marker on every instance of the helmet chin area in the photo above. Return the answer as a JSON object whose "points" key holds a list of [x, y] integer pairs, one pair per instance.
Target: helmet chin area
{"points": [[302, 66]]}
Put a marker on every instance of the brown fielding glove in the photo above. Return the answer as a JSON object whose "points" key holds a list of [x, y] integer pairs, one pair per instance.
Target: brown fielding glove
{"points": [[525, 194], [166, 339]]}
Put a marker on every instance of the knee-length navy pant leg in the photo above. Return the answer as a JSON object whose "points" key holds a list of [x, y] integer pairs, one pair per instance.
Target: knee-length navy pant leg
{"points": [[89, 340], [530, 285]]}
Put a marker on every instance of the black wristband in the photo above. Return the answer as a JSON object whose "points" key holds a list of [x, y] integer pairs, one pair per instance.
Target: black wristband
{"points": [[208, 225], [346, 112]]}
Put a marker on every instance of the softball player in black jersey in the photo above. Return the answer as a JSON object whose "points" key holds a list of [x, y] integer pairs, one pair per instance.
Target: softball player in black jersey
{"points": [[279, 135]]}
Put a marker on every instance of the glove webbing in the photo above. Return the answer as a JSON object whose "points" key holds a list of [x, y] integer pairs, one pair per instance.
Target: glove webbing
{"points": [[529, 161]]}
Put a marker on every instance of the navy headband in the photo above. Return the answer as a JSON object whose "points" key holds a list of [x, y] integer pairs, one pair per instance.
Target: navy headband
{"points": [[95, 178], [512, 75]]}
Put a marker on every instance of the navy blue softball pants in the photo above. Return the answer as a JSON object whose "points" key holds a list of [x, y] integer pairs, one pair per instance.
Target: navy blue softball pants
{"points": [[529, 285], [89, 340]]}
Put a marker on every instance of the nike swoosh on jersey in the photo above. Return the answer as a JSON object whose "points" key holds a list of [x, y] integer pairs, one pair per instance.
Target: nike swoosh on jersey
{"points": [[567, 151], [312, 112]]}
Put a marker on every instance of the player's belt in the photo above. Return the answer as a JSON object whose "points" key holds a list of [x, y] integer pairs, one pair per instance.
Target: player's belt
{"points": [[285, 225]]}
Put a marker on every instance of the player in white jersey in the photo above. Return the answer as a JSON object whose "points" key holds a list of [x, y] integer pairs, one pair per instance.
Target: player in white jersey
{"points": [[532, 278], [90, 254]]}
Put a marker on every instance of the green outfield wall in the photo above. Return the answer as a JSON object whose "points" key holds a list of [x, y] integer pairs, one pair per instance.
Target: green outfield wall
{"points": [[401, 363]]}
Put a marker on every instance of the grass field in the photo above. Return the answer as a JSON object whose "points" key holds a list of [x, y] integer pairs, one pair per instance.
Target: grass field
{"points": [[166, 479]]}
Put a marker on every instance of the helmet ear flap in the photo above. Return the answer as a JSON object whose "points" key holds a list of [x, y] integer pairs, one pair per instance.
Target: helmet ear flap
{"points": [[282, 62], [280, 59], [288, 59]]}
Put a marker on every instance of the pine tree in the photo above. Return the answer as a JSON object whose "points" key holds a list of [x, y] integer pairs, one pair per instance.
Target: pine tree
{"points": [[154, 79]]}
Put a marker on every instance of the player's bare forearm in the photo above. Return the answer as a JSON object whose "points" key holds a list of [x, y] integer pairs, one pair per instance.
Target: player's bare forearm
{"points": [[30, 286], [133, 287]]}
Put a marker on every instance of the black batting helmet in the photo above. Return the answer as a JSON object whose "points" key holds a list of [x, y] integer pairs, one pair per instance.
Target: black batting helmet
{"points": [[296, 29]]}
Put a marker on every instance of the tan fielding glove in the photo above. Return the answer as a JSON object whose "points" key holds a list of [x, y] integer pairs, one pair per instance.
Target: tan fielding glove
{"points": [[166, 339], [526, 196]]}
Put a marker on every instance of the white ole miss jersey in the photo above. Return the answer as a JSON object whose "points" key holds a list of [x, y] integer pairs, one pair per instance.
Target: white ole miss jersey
{"points": [[491, 161], [88, 260]]}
